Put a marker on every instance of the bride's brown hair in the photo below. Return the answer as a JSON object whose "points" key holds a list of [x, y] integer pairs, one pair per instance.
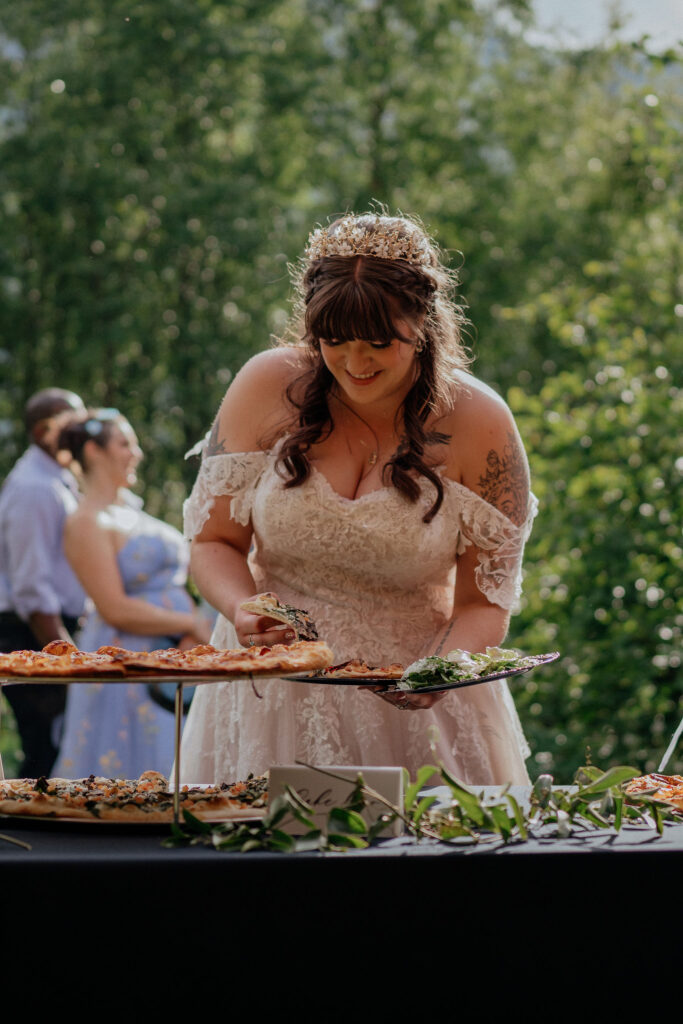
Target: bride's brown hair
{"points": [[345, 291]]}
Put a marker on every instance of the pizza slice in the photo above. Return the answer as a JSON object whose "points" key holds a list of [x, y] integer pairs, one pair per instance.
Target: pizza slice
{"points": [[299, 620], [357, 669], [663, 787]]}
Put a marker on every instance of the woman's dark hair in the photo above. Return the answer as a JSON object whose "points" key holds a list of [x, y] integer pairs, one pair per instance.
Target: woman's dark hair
{"points": [[361, 296], [94, 425]]}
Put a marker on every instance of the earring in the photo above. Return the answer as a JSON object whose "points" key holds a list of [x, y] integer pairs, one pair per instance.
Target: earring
{"points": [[420, 346]]}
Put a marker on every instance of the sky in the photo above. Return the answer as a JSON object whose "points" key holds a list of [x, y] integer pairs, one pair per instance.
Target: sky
{"points": [[582, 23]]}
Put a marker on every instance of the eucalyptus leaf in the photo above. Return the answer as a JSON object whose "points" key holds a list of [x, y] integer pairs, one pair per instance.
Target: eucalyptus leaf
{"points": [[297, 801], [344, 820], [424, 774], [313, 840], [346, 841], [425, 803], [612, 777], [618, 810], [519, 816], [503, 823], [202, 827]]}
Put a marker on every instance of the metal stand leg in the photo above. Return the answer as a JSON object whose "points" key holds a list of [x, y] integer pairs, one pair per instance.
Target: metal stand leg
{"points": [[2, 772], [178, 730]]}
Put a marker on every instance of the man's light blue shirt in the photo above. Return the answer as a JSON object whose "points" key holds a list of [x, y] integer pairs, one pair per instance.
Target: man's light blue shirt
{"points": [[35, 575]]}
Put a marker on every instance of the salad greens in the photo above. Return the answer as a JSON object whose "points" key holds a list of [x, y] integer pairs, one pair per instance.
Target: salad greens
{"points": [[459, 666]]}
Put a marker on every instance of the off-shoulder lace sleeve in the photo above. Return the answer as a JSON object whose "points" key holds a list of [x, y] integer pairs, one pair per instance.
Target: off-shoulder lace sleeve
{"points": [[501, 546], [236, 475]]}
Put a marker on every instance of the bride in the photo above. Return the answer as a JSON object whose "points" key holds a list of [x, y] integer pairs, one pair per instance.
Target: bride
{"points": [[361, 472]]}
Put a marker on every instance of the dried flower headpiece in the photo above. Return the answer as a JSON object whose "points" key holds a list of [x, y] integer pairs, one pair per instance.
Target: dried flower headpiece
{"points": [[386, 238]]}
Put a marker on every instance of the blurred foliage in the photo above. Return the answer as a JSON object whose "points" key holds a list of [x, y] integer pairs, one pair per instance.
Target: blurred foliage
{"points": [[160, 164]]}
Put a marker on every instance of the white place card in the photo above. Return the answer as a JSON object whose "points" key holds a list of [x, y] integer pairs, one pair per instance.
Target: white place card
{"points": [[323, 793]]}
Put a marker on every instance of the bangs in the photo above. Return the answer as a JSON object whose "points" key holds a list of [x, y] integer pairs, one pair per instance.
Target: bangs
{"points": [[348, 310]]}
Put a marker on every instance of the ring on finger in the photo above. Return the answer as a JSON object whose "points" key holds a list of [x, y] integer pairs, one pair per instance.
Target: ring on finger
{"points": [[251, 640]]}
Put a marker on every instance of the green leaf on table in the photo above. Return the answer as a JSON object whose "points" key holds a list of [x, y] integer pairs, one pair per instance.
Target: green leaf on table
{"points": [[346, 841], [297, 801], [279, 809], [423, 776], [425, 803], [313, 840], [468, 800], [618, 810], [518, 815], [344, 820], [380, 825], [503, 824], [612, 777], [195, 825]]}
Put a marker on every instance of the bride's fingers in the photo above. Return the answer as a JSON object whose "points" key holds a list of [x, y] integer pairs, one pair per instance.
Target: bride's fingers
{"points": [[402, 700], [267, 637]]}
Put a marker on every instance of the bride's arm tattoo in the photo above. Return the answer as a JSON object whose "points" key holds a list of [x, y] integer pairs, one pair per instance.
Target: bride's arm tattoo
{"points": [[214, 445], [445, 637], [506, 482]]}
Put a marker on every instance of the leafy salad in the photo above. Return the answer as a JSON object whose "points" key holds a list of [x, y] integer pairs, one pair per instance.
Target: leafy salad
{"points": [[459, 666]]}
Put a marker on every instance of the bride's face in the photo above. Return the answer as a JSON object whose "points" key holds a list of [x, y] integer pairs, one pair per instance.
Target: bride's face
{"points": [[368, 372]]}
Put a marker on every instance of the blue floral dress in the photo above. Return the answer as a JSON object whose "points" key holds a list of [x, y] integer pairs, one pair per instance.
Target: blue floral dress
{"points": [[115, 729]]}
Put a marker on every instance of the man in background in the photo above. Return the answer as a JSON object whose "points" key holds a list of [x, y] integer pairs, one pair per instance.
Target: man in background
{"points": [[40, 597]]}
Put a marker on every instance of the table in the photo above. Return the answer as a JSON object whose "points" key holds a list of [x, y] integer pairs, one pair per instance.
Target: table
{"points": [[597, 908]]}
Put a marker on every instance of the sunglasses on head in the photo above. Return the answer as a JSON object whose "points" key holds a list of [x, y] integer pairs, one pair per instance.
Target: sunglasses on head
{"points": [[94, 425]]}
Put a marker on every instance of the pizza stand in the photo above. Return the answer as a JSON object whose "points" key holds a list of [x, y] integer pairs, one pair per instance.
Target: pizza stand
{"points": [[188, 678], [178, 681]]}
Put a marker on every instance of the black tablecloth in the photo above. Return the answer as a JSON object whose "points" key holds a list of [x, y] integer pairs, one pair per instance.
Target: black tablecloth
{"points": [[394, 915]]}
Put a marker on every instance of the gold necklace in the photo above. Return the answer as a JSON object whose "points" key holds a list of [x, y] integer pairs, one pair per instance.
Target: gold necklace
{"points": [[374, 454]]}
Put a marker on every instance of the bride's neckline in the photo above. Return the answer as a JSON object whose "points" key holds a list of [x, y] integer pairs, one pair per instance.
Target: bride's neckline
{"points": [[317, 474]]}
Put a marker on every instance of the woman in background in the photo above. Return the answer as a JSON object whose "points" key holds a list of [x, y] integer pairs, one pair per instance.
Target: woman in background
{"points": [[134, 569]]}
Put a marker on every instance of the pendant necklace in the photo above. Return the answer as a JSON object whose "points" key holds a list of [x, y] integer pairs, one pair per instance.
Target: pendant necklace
{"points": [[373, 455]]}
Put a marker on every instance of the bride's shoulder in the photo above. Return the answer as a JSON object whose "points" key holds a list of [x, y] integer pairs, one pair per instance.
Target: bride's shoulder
{"points": [[255, 405], [474, 406], [486, 453]]}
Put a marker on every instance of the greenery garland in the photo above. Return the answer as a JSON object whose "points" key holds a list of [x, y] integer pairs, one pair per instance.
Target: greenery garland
{"points": [[596, 800]]}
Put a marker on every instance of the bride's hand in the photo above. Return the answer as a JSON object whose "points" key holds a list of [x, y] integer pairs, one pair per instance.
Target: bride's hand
{"points": [[406, 700], [259, 630]]}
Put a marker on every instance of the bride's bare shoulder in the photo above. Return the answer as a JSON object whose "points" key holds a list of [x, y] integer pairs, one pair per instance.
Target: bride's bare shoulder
{"points": [[255, 405], [474, 406], [485, 451]]}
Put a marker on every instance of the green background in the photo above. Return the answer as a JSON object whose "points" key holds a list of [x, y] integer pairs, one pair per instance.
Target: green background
{"points": [[161, 163]]}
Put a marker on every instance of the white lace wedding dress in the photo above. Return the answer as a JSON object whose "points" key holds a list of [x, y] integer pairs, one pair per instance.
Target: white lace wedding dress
{"points": [[378, 583]]}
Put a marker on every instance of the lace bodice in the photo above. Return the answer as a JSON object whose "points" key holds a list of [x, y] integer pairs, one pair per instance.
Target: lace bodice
{"points": [[376, 541], [379, 583]]}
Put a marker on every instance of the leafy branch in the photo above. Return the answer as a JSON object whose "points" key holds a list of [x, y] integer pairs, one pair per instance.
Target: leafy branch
{"points": [[597, 799]]}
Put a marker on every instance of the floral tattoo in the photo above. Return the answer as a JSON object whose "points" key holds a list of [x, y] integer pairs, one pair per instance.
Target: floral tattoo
{"points": [[506, 482]]}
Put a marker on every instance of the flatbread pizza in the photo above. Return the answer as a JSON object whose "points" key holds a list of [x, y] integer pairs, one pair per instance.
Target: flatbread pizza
{"points": [[144, 800], [300, 621], [67, 662]]}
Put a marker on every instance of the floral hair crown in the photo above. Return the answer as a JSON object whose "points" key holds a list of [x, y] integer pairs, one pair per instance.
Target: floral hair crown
{"points": [[386, 238]]}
